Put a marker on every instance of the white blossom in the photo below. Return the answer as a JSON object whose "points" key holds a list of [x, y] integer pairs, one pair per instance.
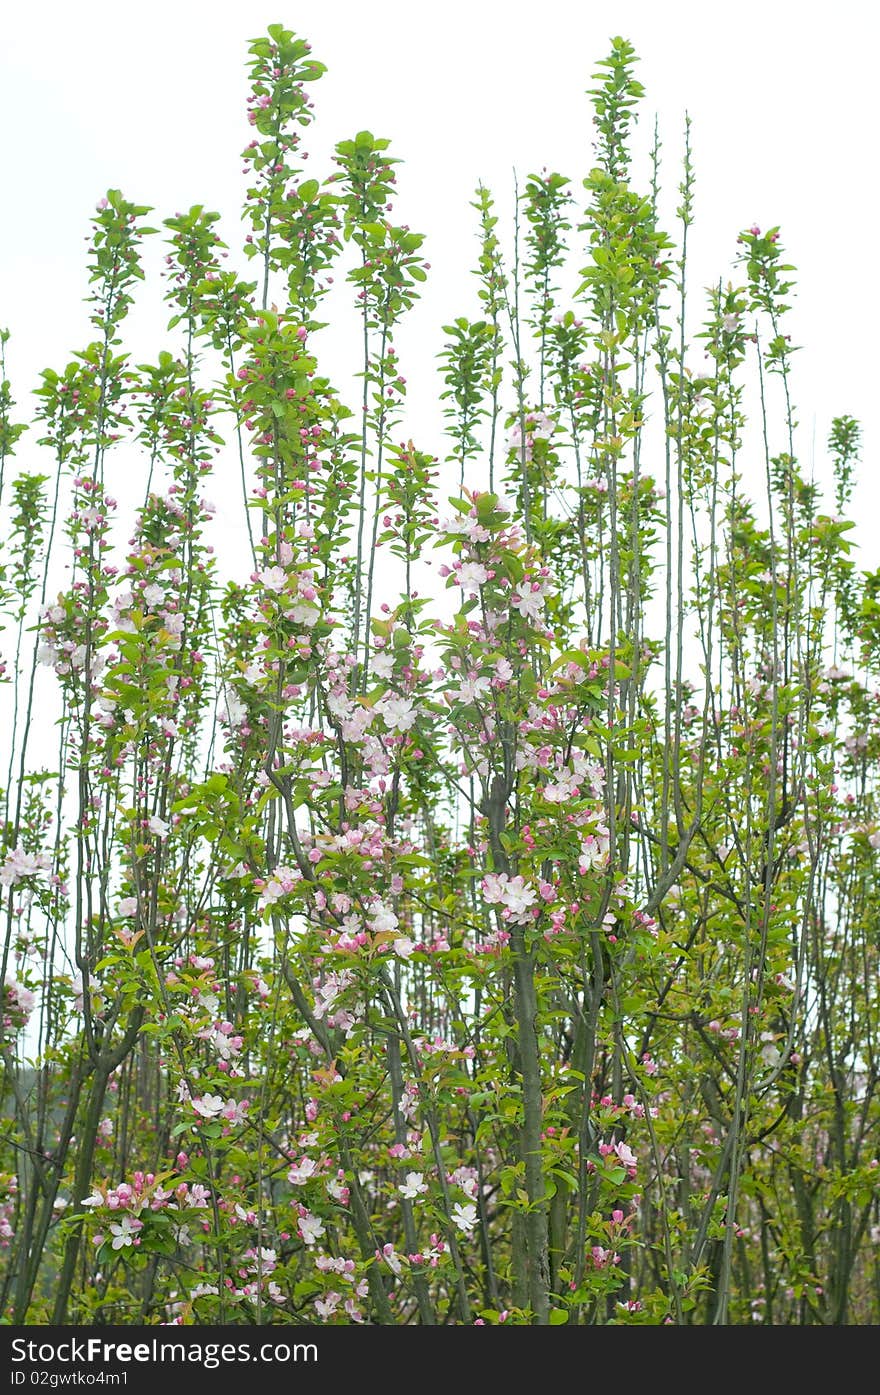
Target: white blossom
{"points": [[398, 712]]}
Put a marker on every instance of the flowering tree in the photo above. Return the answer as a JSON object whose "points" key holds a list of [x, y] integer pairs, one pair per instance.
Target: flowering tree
{"points": [[378, 951]]}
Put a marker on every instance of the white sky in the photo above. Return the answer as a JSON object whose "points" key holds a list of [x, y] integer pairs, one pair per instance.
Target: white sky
{"points": [[150, 98]]}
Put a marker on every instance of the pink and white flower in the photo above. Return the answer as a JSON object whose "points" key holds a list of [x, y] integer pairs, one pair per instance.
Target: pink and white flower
{"points": [[20, 864], [273, 578], [310, 1228], [126, 1232], [512, 893], [326, 1307], [472, 688], [209, 1106], [471, 576], [303, 1171]]}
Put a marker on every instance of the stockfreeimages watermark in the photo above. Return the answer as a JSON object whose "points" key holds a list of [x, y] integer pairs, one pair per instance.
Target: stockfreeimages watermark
{"points": [[98, 1351]]}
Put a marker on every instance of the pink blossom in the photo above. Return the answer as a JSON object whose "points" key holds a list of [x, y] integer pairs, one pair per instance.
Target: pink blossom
{"points": [[470, 689], [273, 578], [18, 1002], [626, 1155], [471, 576], [209, 1106], [325, 1307], [303, 1171], [513, 893], [391, 1258], [21, 864], [310, 1228]]}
